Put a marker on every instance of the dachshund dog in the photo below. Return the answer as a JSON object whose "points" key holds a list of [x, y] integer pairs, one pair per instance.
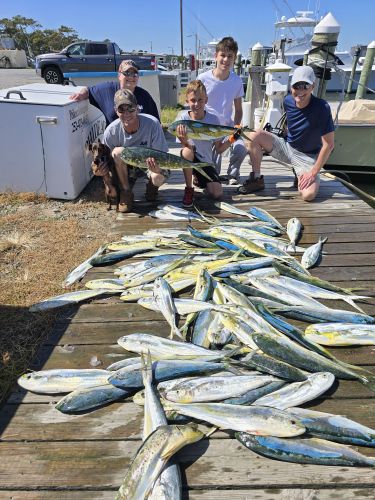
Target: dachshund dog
{"points": [[103, 165]]}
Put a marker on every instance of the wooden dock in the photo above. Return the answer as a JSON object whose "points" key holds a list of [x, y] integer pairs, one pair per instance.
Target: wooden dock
{"points": [[47, 455]]}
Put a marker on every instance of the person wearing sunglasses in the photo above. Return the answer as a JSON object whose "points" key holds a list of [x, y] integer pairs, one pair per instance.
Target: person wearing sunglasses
{"points": [[101, 95], [308, 143], [134, 129]]}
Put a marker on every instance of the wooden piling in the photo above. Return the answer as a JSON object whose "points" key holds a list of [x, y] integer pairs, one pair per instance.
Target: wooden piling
{"points": [[253, 91], [237, 64], [305, 58], [366, 70], [352, 73]]}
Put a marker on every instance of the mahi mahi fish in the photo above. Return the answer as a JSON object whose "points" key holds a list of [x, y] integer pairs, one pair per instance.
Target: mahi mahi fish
{"points": [[136, 157], [204, 131], [305, 451]]}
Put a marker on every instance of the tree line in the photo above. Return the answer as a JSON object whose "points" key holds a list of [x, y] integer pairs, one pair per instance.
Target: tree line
{"points": [[29, 35]]}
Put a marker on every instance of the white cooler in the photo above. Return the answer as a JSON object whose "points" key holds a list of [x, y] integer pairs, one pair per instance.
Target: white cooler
{"points": [[44, 140]]}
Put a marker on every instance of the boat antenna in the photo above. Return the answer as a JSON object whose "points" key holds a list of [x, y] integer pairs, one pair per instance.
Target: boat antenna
{"points": [[199, 21], [294, 15]]}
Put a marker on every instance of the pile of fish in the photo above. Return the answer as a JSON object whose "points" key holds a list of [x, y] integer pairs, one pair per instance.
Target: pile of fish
{"points": [[238, 364]]}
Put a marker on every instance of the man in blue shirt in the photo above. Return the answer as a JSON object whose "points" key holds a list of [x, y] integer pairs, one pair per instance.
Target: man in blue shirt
{"points": [[309, 140], [101, 95]]}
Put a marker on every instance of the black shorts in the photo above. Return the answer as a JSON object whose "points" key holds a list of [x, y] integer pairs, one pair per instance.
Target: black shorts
{"points": [[202, 180]]}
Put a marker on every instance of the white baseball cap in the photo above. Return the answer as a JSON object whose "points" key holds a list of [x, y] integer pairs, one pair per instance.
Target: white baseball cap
{"points": [[303, 74]]}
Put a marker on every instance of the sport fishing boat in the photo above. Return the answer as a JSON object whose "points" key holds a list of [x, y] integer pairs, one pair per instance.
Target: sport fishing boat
{"points": [[355, 132], [354, 137], [292, 40]]}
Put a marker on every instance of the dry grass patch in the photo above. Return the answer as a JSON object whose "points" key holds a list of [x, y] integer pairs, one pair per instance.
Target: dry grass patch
{"points": [[41, 241], [14, 240]]}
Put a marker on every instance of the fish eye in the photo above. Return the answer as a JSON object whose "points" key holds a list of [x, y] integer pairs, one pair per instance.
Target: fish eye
{"points": [[293, 422]]}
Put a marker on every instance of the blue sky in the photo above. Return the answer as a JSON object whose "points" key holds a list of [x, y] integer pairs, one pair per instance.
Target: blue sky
{"points": [[138, 24]]}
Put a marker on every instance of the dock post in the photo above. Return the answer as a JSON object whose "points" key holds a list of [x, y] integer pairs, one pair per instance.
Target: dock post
{"points": [[237, 64], [321, 56], [366, 69], [354, 66], [253, 90]]}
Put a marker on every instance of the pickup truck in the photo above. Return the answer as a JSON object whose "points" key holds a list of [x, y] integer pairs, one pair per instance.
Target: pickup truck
{"points": [[87, 56]]}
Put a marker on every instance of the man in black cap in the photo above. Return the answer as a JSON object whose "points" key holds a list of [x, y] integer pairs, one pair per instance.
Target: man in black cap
{"points": [[134, 129], [309, 140], [101, 95]]}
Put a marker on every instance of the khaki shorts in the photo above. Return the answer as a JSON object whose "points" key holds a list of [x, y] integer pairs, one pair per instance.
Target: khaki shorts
{"points": [[301, 162]]}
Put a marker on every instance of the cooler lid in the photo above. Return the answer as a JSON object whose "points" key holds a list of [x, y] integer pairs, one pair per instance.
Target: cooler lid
{"points": [[39, 93]]}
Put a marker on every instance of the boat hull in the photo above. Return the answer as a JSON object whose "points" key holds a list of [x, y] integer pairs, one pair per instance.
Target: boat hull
{"points": [[354, 148]]}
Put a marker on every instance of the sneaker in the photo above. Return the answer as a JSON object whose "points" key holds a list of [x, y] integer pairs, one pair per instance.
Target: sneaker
{"points": [[233, 181], [151, 193], [188, 199], [251, 185], [126, 202]]}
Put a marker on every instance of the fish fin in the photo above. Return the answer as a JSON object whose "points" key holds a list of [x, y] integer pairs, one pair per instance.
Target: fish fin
{"points": [[211, 431]]}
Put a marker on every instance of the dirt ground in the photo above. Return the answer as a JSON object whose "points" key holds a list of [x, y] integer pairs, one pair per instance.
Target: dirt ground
{"points": [[41, 240]]}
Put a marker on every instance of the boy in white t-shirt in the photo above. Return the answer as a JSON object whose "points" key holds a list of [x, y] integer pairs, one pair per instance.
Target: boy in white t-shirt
{"points": [[225, 91], [197, 150]]}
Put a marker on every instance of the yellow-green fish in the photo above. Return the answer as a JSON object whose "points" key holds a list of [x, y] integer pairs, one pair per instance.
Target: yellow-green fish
{"points": [[204, 131], [136, 157]]}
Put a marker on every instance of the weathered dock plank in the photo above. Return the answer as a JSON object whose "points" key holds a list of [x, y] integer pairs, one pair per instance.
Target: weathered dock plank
{"points": [[40, 421], [215, 463], [46, 454]]}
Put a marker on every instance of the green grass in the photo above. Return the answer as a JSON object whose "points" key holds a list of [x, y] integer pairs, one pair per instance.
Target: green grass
{"points": [[168, 115]]}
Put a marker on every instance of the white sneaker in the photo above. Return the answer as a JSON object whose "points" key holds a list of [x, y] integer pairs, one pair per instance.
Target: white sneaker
{"points": [[234, 182]]}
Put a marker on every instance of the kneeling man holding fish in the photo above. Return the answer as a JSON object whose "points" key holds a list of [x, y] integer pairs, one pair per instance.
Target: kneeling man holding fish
{"points": [[309, 140], [134, 129]]}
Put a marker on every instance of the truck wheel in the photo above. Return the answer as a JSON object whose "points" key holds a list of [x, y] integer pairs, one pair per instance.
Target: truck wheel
{"points": [[52, 74], [7, 64]]}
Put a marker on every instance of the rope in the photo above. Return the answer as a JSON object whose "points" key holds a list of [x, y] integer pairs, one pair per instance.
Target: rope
{"points": [[343, 181], [350, 186]]}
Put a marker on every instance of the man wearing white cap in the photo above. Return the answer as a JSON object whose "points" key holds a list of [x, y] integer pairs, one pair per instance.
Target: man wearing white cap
{"points": [[309, 140]]}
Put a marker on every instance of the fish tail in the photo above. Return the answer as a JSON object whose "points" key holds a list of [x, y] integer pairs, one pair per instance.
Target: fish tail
{"points": [[233, 352], [350, 301], [201, 170], [248, 129], [176, 331], [323, 240], [209, 220], [146, 364], [369, 382]]}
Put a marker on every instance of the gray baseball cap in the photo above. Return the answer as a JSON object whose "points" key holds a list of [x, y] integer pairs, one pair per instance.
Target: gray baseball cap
{"points": [[303, 74]]}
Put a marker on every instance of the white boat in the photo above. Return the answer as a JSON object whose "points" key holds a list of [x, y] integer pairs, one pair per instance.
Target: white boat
{"points": [[293, 39]]}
